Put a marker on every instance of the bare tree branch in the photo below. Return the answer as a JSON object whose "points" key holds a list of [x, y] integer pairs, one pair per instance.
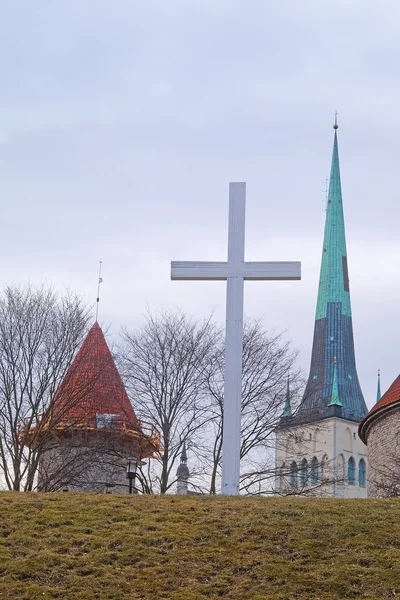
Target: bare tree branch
{"points": [[164, 365]]}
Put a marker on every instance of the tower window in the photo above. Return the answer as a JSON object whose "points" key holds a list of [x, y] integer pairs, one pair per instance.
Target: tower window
{"points": [[294, 474], [340, 468], [351, 471], [314, 470], [362, 473], [105, 420], [345, 274], [304, 472]]}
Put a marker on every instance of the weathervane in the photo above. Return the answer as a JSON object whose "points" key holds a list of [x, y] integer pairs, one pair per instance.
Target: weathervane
{"points": [[98, 291]]}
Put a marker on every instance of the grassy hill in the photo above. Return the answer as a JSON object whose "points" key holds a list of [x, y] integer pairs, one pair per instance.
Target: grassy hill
{"points": [[77, 546]]}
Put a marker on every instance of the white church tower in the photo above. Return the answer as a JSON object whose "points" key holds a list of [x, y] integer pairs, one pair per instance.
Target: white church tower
{"points": [[318, 448], [182, 474]]}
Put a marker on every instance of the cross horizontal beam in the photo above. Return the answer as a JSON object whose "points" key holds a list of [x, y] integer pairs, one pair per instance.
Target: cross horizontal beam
{"points": [[221, 271]]}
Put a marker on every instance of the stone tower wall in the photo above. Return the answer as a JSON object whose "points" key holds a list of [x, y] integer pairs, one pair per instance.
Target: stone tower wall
{"points": [[384, 456], [82, 463]]}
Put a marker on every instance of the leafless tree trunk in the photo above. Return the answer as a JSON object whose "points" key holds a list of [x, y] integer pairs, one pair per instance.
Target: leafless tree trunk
{"points": [[164, 365], [39, 335]]}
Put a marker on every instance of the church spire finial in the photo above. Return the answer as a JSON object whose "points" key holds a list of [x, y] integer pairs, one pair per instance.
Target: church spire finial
{"points": [[378, 391], [336, 126], [184, 453]]}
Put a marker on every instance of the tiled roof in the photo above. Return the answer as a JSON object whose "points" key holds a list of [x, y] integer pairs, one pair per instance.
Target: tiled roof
{"points": [[391, 396], [93, 386]]}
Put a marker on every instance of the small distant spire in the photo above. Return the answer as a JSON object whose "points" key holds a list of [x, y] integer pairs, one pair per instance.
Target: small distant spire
{"points": [[287, 409], [184, 454], [182, 473], [378, 391], [336, 126], [335, 401], [98, 291]]}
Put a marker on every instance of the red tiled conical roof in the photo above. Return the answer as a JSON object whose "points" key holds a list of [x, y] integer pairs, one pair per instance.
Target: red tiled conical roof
{"points": [[389, 398], [93, 386]]}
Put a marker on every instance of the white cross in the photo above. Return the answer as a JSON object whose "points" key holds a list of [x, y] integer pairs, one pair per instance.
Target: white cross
{"points": [[235, 271]]}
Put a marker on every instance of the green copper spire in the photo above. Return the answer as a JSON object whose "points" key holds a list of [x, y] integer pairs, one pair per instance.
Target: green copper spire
{"points": [[287, 410], [335, 401], [378, 391], [333, 389], [334, 281]]}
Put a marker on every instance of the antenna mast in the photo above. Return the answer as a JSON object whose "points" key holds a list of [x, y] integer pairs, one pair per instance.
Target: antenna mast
{"points": [[98, 291]]}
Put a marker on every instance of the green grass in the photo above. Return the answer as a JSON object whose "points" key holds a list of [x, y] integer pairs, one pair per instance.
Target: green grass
{"points": [[82, 546]]}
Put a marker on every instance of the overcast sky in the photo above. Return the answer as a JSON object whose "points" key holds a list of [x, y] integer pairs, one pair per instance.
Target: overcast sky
{"points": [[122, 123]]}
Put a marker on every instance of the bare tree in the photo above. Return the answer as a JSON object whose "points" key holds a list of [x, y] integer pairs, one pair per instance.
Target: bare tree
{"points": [[267, 361], [165, 364], [40, 332]]}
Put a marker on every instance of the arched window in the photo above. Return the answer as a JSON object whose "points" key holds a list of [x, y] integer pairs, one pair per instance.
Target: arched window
{"points": [[304, 472], [340, 468], [314, 470], [362, 473], [294, 472], [282, 476], [323, 467], [351, 471], [348, 439]]}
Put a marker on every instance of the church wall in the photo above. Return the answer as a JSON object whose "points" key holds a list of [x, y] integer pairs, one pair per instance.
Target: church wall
{"points": [[349, 445], [329, 443], [296, 444], [384, 456]]}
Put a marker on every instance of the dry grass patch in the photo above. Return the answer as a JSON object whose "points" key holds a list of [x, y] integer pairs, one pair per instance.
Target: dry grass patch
{"points": [[83, 546]]}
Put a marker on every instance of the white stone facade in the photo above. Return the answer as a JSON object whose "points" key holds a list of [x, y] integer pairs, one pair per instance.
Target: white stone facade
{"points": [[182, 486], [325, 458]]}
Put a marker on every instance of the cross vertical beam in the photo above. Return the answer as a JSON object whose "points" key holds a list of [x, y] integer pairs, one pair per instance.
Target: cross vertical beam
{"points": [[235, 271], [234, 343]]}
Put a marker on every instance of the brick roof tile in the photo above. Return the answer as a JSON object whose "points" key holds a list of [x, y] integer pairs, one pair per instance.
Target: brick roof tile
{"points": [[391, 396]]}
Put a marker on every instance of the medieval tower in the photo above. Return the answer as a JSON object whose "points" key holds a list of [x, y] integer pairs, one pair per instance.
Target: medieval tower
{"points": [[91, 430], [318, 449]]}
